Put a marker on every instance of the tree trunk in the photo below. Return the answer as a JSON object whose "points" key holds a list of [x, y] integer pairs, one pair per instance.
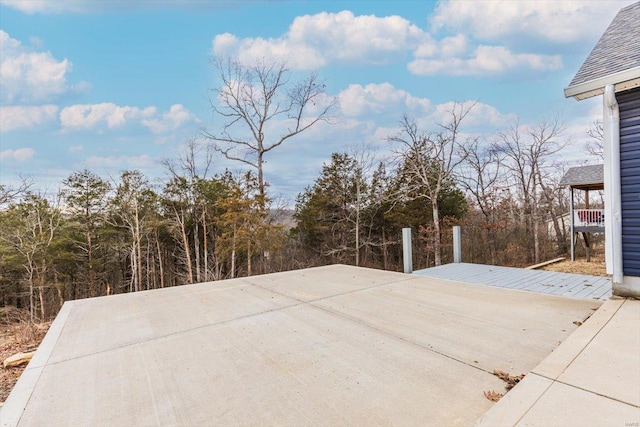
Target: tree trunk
{"points": [[535, 221], [233, 254], [138, 242], [248, 257], [187, 252], [437, 241], [196, 246], [42, 308], [261, 189], [205, 246], [90, 266], [358, 225], [385, 264], [160, 266]]}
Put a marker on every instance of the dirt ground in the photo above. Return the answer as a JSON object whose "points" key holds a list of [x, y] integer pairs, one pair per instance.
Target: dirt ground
{"points": [[16, 338], [580, 266]]}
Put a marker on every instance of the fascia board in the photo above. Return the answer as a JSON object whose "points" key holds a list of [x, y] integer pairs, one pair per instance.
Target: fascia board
{"points": [[623, 80]]}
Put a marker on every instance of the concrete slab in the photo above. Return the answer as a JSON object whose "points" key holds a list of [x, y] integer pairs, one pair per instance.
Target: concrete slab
{"points": [[554, 365], [291, 367], [368, 348], [592, 378], [100, 324], [488, 327], [621, 336], [512, 407], [322, 282], [564, 405]]}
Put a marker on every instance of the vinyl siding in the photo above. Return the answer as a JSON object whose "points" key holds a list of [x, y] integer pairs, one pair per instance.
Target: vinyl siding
{"points": [[629, 103]]}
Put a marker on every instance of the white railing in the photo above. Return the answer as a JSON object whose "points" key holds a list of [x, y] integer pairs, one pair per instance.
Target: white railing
{"points": [[588, 218]]}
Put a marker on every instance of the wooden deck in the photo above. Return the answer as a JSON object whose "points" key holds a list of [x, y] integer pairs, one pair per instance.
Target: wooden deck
{"points": [[545, 282]]}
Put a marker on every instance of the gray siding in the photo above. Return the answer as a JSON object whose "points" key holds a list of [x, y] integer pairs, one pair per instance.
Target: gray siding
{"points": [[629, 103]]}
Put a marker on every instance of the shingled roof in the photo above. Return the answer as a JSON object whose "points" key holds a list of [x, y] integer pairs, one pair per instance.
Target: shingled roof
{"points": [[585, 177], [614, 60]]}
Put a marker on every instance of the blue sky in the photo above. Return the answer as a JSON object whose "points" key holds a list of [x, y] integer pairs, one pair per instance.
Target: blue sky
{"points": [[115, 85]]}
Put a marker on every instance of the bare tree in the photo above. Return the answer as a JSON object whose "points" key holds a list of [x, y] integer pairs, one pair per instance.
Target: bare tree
{"points": [[132, 202], [430, 160], [192, 165], [595, 146], [33, 224], [10, 193], [480, 176], [260, 109], [530, 155]]}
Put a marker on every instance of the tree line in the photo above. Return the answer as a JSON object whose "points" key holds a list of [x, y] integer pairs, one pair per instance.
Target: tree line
{"points": [[97, 236]]}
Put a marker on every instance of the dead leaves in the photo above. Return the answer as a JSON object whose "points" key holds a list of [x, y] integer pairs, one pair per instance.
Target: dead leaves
{"points": [[510, 382], [493, 396]]}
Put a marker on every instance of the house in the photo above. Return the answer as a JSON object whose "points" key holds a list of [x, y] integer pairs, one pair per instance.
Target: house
{"points": [[612, 69]]}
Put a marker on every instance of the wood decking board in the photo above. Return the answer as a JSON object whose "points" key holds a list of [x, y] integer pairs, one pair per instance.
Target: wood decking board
{"points": [[545, 282]]}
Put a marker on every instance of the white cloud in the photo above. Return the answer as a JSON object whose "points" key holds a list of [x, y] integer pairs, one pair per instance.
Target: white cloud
{"points": [[121, 162], [19, 155], [486, 60], [100, 117], [176, 117], [93, 6], [47, 6], [313, 41], [25, 117], [507, 20], [479, 115], [28, 76], [357, 100], [76, 149], [90, 116]]}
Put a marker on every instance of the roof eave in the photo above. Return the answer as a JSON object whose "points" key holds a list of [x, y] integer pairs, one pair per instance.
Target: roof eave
{"points": [[623, 80]]}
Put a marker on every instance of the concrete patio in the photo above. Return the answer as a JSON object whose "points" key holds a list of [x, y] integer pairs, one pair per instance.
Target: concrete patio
{"points": [[333, 345]]}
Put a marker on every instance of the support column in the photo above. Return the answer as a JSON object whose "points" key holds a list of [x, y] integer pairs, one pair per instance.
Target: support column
{"points": [[457, 244], [573, 246], [407, 255]]}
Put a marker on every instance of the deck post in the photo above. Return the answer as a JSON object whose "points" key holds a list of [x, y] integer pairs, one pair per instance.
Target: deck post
{"points": [[573, 248], [457, 244], [407, 256]]}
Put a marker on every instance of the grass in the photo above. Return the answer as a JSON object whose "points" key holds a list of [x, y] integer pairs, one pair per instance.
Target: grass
{"points": [[595, 267]]}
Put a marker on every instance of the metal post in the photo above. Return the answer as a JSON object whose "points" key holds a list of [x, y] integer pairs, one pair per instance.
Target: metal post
{"points": [[406, 250], [457, 244]]}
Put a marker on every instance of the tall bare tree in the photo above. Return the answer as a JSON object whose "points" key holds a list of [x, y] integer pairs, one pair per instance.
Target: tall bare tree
{"points": [[430, 159], [530, 153], [133, 201], [480, 176], [191, 166], [259, 108]]}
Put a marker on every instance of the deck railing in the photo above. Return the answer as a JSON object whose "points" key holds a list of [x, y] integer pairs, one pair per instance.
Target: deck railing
{"points": [[588, 218]]}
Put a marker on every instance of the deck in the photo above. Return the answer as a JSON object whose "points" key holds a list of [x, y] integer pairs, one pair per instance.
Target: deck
{"points": [[545, 282]]}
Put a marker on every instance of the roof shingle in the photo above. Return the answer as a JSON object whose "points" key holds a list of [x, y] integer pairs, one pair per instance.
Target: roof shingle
{"points": [[584, 177], [617, 50]]}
